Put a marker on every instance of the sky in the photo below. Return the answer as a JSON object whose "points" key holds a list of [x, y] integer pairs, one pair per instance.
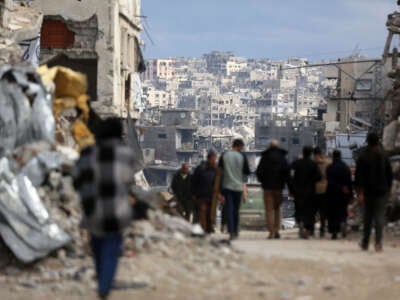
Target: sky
{"points": [[275, 29]]}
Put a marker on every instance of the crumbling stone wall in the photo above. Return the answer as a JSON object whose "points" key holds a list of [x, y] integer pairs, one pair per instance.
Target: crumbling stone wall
{"points": [[85, 34], [111, 47]]}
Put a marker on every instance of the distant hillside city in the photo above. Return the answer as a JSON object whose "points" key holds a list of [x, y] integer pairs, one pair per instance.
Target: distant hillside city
{"points": [[201, 103]]}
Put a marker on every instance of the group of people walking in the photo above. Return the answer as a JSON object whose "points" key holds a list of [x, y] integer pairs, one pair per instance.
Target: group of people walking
{"points": [[211, 183], [319, 186], [322, 188], [325, 187]]}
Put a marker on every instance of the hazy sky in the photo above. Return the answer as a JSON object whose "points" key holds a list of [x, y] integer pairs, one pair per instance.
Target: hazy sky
{"points": [[275, 29]]}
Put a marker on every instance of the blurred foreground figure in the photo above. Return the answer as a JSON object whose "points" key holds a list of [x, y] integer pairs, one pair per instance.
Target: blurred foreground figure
{"points": [[373, 183], [233, 169], [304, 175], [202, 188], [103, 175], [272, 172], [181, 187], [339, 194]]}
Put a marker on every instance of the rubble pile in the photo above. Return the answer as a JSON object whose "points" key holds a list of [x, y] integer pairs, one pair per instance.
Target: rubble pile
{"points": [[26, 118], [393, 228], [391, 133]]}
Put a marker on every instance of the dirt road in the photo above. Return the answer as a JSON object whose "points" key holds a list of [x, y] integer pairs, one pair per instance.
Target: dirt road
{"points": [[279, 269]]}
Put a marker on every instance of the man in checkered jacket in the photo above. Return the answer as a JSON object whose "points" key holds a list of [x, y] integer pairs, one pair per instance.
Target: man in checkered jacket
{"points": [[103, 175]]}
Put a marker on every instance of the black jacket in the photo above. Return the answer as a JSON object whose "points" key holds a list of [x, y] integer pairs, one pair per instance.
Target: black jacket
{"points": [[182, 189], [373, 173], [304, 174], [339, 176], [203, 181], [273, 170]]}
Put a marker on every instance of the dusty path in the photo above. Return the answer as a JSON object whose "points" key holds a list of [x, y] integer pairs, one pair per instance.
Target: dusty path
{"points": [[280, 269], [344, 252]]}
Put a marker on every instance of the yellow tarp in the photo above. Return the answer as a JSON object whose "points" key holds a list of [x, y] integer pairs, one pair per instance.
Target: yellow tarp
{"points": [[70, 92]]}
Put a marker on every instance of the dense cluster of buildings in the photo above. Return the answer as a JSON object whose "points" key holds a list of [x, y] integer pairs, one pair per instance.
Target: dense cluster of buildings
{"points": [[293, 101], [231, 96], [228, 91]]}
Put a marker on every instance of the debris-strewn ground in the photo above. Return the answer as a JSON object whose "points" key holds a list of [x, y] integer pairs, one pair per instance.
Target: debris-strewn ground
{"points": [[254, 268]]}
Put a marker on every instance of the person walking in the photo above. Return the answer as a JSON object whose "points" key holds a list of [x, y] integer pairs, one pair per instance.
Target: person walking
{"points": [[373, 182], [304, 174], [320, 202], [181, 187], [102, 177], [339, 194], [272, 172], [202, 188], [234, 167]]}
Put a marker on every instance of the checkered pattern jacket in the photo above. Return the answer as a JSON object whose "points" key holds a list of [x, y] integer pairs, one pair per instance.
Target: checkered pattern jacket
{"points": [[102, 176]]}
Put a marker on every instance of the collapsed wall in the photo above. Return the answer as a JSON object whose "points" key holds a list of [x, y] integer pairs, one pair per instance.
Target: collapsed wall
{"points": [[391, 134]]}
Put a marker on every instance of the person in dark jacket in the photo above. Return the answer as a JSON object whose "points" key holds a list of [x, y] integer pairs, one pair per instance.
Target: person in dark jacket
{"points": [[339, 194], [304, 174], [272, 172], [181, 187], [203, 180], [373, 182]]}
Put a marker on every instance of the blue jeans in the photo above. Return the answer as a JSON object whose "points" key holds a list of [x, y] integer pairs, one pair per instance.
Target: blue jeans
{"points": [[232, 202], [106, 252]]}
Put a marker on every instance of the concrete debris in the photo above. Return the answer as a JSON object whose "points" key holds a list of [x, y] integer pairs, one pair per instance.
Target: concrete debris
{"points": [[391, 133], [394, 228], [393, 22], [25, 225], [25, 110], [70, 106], [19, 26]]}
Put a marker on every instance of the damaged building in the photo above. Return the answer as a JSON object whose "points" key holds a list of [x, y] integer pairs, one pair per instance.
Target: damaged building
{"points": [[173, 139], [101, 40], [19, 28]]}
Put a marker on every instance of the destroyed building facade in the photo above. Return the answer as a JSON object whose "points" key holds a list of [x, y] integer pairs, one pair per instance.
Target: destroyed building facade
{"points": [[19, 28], [101, 40], [173, 139]]}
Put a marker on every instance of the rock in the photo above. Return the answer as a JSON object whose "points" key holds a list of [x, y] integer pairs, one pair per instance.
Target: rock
{"points": [[55, 179], [179, 236], [85, 274], [144, 229], [57, 287], [197, 230], [69, 273], [226, 251], [62, 254], [28, 283]]}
